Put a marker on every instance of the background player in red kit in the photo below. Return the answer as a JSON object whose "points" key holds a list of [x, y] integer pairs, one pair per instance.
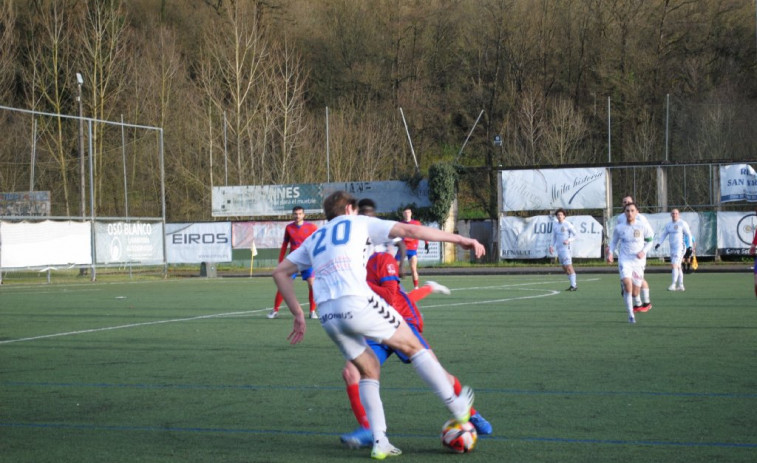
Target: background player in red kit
{"points": [[294, 234], [411, 247]]}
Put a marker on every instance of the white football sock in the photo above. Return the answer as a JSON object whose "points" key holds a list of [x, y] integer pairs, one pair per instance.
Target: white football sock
{"points": [[374, 409], [434, 375], [629, 303], [572, 278], [645, 295]]}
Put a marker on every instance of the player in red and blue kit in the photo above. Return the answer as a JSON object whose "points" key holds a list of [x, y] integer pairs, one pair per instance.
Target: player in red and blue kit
{"points": [[294, 234], [411, 247], [383, 279]]}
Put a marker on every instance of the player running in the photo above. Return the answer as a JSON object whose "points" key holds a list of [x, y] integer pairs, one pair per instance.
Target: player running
{"points": [[563, 233], [411, 247], [642, 302], [677, 230], [295, 234], [635, 239]]}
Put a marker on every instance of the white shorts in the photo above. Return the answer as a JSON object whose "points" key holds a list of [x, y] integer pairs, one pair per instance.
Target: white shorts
{"points": [[676, 255], [350, 319], [633, 269], [563, 255]]}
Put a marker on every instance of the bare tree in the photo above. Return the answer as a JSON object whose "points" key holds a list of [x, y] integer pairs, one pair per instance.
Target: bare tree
{"points": [[232, 72], [50, 80], [103, 46], [565, 133]]}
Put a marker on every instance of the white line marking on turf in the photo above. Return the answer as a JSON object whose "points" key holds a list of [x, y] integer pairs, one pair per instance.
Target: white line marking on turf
{"points": [[250, 312], [133, 325]]}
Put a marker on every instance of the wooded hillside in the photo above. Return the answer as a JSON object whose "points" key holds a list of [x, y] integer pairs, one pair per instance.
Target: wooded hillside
{"points": [[253, 79]]}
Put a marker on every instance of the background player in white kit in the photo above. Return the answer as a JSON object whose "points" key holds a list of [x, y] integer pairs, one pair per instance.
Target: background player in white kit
{"points": [[634, 239], [675, 230], [563, 233], [350, 311]]}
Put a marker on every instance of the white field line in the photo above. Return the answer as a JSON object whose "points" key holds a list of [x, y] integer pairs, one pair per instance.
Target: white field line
{"points": [[250, 312]]}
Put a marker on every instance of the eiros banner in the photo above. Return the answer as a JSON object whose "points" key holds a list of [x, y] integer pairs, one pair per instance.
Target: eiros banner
{"points": [[549, 189], [738, 182], [193, 243]]}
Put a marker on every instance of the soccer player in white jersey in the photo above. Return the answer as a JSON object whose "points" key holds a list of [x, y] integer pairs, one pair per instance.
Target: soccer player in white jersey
{"points": [[642, 302], [350, 311], [634, 240], [675, 231], [563, 233]]}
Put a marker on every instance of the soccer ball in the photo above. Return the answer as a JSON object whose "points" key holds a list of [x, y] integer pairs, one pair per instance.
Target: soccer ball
{"points": [[459, 438]]}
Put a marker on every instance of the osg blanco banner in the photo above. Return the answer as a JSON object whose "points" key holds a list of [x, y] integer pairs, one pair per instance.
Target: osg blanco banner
{"points": [[549, 189], [129, 242], [530, 238], [193, 243]]}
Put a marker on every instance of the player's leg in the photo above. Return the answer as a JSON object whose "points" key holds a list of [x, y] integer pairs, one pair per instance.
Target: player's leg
{"points": [[362, 436], [674, 276], [431, 371], [428, 288], [644, 298], [413, 259]]}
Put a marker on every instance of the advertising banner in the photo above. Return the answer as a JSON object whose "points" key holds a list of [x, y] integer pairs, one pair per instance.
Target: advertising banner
{"points": [[735, 232], [47, 243], [265, 235], [277, 200], [549, 189], [193, 243], [529, 238], [738, 182], [129, 242], [25, 203]]}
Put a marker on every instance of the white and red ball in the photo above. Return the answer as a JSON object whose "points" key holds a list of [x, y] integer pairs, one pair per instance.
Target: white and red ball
{"points": [[459, 438]]}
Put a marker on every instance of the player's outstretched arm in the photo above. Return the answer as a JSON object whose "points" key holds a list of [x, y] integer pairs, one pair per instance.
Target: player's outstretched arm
{"points": [[282, 276], [421, 232]]}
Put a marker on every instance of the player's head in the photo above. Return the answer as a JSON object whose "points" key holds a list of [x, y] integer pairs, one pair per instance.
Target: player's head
{"points": [[298, 212], [407, 213], [675, 214], [336, 204], [560, 214], [630, 211], [366, 206], [626, 200]]}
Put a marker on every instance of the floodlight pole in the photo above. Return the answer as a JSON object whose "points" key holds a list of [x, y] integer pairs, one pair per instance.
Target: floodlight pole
{"points": [[82, 209]]}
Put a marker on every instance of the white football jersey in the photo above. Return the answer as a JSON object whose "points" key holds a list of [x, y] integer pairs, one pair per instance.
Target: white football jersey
{"points": [[675, 230], [562, 232], [337, 253], [632, 239]]}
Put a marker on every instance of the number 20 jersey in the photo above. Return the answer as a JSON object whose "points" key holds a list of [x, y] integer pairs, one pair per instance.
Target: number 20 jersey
{"points": [[337, 253]]}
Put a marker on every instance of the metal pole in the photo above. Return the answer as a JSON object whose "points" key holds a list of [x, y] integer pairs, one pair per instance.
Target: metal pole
{"points": [[123, 158], [34, 155], [225, 153], [469, 134], [609, 133], [83, 204], [667, 126], [412, 150], [92, 200], [328, 169]]}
